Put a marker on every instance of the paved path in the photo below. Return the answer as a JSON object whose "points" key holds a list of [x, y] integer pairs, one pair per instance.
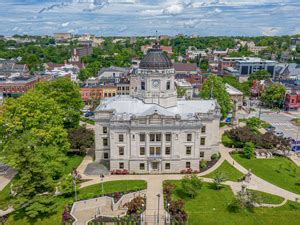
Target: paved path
{"points": [[256, 182], [6, 178], [295, 159]]}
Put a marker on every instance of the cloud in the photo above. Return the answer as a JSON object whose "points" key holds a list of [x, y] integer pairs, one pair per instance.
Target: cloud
{"points": [[65, 24], [270, 31], [174, 9]]}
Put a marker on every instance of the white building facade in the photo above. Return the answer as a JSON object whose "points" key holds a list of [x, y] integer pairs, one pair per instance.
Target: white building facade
{"points": [[152, 131]]}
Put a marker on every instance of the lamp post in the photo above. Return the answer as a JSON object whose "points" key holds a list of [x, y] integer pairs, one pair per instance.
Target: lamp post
{"points": [[158, 196], [101, 177], [74, 182]]}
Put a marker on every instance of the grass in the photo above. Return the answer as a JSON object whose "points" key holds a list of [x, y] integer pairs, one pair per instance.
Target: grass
{"points": [[268, 198], [227, 170], [279, 171], [83, 193], [296, 121], [211, 207], [87, 120]]}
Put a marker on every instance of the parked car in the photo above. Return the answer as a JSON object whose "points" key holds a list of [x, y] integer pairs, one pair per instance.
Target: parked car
{"points": [[279, 134], [270, 129], [88, 114]]}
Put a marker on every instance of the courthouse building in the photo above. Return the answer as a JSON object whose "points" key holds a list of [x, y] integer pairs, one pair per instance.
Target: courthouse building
{"points": [[151, 131]]}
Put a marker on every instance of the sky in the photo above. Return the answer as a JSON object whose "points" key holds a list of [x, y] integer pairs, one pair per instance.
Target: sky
{"points": [[145, 17]]}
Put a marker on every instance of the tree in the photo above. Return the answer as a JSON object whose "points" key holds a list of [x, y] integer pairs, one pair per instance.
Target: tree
{"points": [[219, 178], [34, 143], [81, 138], [215, 85], [180, 91], [249, 150], [203, 64], [191, 184], [260, 75], [67, 95], [273, 95], [253, 123], [298, 48]]}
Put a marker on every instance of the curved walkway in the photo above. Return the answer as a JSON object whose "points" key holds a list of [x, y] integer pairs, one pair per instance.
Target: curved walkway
{"points": [[256, 182]]}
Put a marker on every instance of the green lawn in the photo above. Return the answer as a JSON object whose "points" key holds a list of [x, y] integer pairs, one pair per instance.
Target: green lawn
{"points": [[279, 171], [211, 207], [268, 198], [87, 120], [228, 170], [84, 193]]}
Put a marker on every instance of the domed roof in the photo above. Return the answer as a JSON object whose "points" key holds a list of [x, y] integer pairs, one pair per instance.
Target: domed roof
{"points": [[156, 59]]}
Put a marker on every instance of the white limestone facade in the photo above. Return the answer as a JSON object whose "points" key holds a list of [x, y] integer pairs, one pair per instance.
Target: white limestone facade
{"points": [[152, 131]]}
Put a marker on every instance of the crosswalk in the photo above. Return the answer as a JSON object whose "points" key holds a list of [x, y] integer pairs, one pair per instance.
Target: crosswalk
{"points": [[282, 124]]}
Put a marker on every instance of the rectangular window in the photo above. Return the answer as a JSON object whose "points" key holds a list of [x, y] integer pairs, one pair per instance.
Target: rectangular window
{"points": [[188, 165], [203, 129], [142, 166], [155, 137], [168, 85], [121, 165], [105, 155], [158, 137], [104, 130], [121, 137], [168, 137], [189, 137], [142, 137], [142, 150], [201, 154], [188, 150], [155, 151], [168, 151], [142, 85], [167, 166], [105, 142], [202, 141], [152, 137], [121, 150]]}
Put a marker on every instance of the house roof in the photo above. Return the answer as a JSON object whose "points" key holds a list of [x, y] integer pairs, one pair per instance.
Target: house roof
{"points": [[189, 67]]}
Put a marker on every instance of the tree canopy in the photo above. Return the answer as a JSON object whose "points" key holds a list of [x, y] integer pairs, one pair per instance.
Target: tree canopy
{"points": [[260, 75], [67, 95], [274, 95], [216, 85], [34, 142]]}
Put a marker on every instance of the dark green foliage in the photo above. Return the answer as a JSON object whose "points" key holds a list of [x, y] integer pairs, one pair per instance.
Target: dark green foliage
{"points": [[81, 138], [249, 150]]}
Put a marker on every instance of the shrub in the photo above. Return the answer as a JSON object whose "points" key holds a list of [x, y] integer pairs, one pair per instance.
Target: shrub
{"points": [[136, 205], [190, 185], [215, 156], [227, 141], [203, 164], [249, 150]]}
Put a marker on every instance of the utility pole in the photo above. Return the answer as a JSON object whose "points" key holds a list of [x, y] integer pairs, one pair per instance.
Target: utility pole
{"points": [[158, 196]]}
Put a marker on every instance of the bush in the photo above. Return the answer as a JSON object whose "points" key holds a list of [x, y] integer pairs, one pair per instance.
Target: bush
{"points": [[190, 185], [249, 150], [203, 164], [215, 156], [227, 141]]}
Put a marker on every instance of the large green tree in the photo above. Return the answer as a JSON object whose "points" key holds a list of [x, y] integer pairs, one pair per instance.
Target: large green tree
{"points": [[260, 75], [34, 142], [274, 95], [67, 95], [214, 87]]}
